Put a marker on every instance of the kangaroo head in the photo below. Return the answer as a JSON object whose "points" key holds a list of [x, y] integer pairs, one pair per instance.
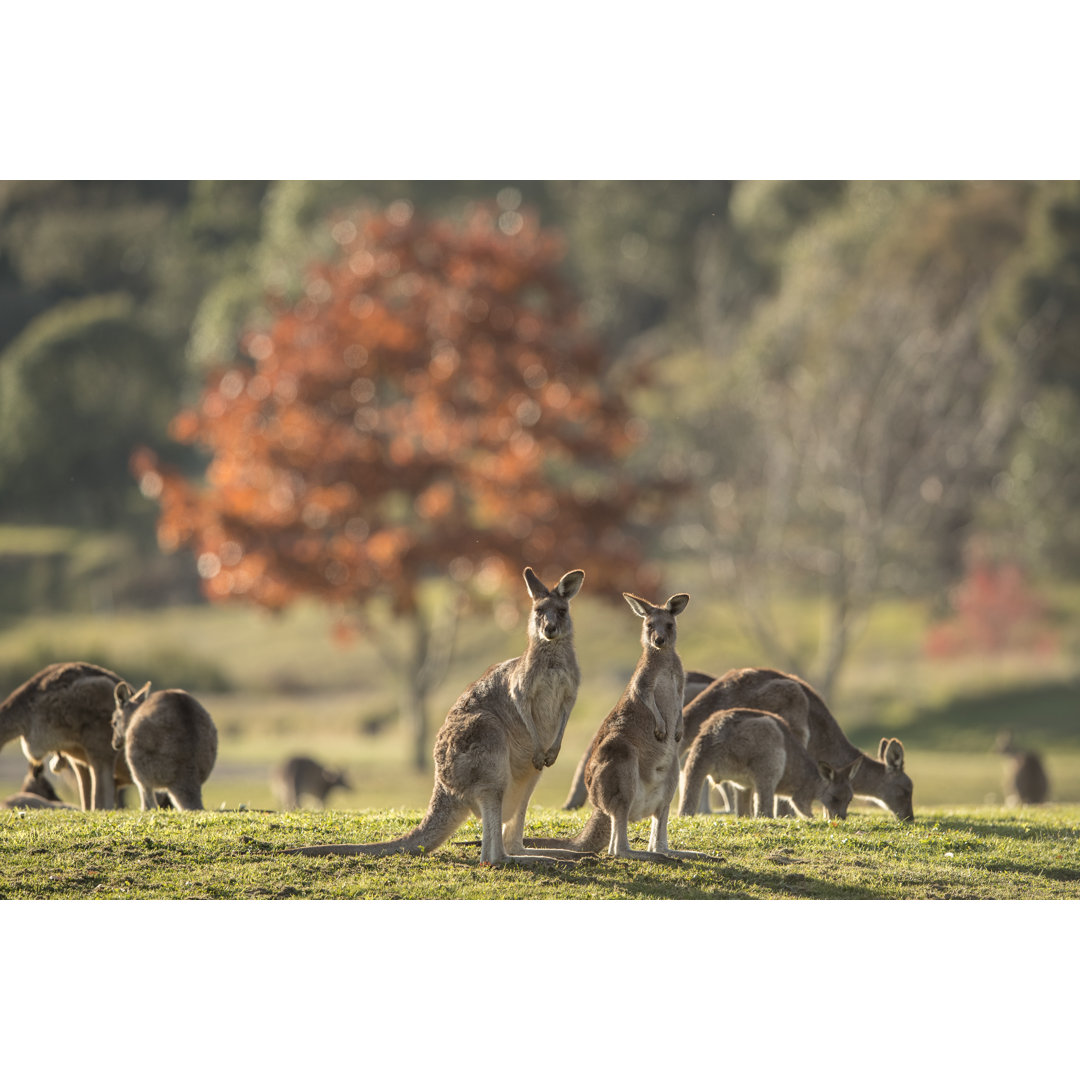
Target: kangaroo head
{"points": [[126, 703], [550, 618], [837, 794], [658, 623], [897, 787]]}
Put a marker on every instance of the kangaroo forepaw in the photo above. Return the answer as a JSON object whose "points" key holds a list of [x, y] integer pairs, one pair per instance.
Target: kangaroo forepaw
{"points": [[539, 759], [551, 757], [660, 733]]}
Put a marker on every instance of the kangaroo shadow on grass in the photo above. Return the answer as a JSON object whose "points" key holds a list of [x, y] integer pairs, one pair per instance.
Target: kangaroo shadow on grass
{"points": [[715, 881]]}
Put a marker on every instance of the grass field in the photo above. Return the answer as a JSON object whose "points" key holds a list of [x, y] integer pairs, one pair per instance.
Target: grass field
{"points": [[279, 686], [973, 854]]}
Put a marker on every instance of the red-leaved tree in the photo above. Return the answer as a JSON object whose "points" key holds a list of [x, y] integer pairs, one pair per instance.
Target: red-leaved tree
{"points": [[431, 407]]}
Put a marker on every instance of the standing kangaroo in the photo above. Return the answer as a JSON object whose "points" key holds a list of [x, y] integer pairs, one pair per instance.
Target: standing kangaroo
{"points": [[301, 776], [881, 779], [66, 707], [696, 681], [756, 749], [503, 730], [169, 741], [633, 768], [1025, 778]]}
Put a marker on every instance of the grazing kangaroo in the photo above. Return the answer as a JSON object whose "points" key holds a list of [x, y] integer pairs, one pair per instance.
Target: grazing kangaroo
{"points": [[696, 681], [1026, 781], [301, 776], [754, 749], [36, 793], [66, 707], [503, 730], [169, 741], [881, 779]]}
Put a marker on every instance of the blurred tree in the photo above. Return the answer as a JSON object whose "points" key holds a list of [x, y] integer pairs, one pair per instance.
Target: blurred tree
{"points": [[430, 408], [80, 385], [1034, 323], [870, 417]]}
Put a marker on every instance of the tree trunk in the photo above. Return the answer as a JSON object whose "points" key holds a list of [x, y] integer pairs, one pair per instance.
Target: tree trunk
{"points": [[414, 703], [425, 668]]}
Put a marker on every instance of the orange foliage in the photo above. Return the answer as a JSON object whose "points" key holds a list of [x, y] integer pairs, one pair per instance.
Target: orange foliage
{"points": [[399, 420]]}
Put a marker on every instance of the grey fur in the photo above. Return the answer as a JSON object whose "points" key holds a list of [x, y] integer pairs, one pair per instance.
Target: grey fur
{"points": [[756, 750], [303, 776], [66, 707], [503, 730], [169, 742]]}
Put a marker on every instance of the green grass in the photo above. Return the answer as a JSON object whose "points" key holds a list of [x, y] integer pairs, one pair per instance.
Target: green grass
{"points": [[966, 853]]}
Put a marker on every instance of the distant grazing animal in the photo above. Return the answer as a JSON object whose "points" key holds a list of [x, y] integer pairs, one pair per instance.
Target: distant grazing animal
{"points": [[881, 779], [757, 751], [503, 730], [169, 741], [66, 708], [300, 776], [633, 764], [1025, 779], [36, 793]]}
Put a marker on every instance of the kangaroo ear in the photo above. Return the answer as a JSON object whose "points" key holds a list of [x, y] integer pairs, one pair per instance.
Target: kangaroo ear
{"points": [[537, 589], [639, 607], [853, 768], [142, 694], [677, 602], [881, 749], [826, 771], [894, 755], [569, 584], [121, 692]]}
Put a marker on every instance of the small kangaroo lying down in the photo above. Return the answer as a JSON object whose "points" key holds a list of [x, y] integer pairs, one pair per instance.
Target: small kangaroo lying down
{"points": [[36, 793]]}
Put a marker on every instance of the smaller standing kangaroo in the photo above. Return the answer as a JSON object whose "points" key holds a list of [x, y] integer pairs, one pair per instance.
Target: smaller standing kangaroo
{"points": [[301, 776], [756, 749], [169, 741], [1026, 781], [633, 767]]}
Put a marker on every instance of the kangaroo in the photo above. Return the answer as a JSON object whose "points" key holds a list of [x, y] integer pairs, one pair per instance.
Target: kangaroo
{"points": [[1026, 781], [36, 793], [696, 681], [301, 776], [66, 707], [755, 749], [633, 768], [122, 780], [169, 742], [881, 780], [503, 730]]}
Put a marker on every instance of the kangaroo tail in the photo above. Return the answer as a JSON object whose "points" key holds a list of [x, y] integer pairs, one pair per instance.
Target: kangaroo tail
{"points": [[577, 795], [444, 814], [593, 837]]}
